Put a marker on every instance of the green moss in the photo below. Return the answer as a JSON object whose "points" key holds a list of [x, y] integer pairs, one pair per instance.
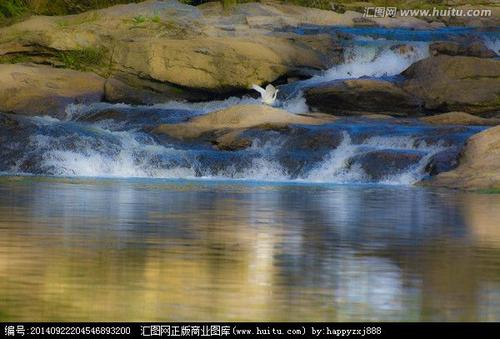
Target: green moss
{"points": [[78, 20], [321, 4], [62, 23], [83, 59], [489, 191], [142, 19], [139, 19], [14, 59]]}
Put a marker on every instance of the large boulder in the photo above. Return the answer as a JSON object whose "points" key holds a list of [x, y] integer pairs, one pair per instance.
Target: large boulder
{"points": [[479, 164], [218, 64], [457, 83], [166, 50], [44, 90], [362, 96], [236, 119]]}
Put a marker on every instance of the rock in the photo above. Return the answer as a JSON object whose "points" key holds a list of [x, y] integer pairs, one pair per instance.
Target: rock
{"points": [[43, 90], [238, 117], [7, 121], [479, 164], [378, 165], [277, 15], [14, 140], [473, 49], [443, 161], [311, 139], [215, 64], [458, 83], [375, 116], [361, 97], [186, 49], [165, 49], [136, 91], [459, 118], [485, 20]]}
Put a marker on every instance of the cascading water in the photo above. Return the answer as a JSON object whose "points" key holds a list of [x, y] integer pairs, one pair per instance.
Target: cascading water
{"points": [[349, 151]]}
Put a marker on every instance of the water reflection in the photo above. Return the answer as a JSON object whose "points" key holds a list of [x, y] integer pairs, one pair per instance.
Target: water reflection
{"points": [[170, 250]]}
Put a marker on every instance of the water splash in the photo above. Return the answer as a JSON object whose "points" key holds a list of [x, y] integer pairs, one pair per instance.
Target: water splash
{"points": [[493, 43], [374, 61]]}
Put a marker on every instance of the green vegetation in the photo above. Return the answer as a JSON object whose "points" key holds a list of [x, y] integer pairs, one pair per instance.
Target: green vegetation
{"points": [[228, 3], [11, 8], [156, 19], [321, 4], [14, 59], [79, 20], [140, 19], [82, 59], [490, 191]]}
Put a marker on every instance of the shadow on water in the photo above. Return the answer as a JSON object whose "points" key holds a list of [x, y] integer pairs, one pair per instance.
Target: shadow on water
{"points": [[102, 249]]}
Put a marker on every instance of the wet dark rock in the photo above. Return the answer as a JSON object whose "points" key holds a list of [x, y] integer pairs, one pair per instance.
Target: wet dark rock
{"points": [[14, 134], [443, 161], [137, 91], [362, 96], [313, 139], [6, 121], [380, 164]]}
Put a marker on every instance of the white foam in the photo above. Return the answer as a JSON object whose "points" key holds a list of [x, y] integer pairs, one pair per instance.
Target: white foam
{"points": [[336, 167], [296, 104], [373, 61], [492, 43], [130, 157]]}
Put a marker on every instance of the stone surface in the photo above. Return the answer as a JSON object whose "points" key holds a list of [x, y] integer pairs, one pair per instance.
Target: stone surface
{"points": [[167, 43], [361, 97], [479, 164], [459, 118], [457, 83], [239, 117], [43, 90], [469, 48]]}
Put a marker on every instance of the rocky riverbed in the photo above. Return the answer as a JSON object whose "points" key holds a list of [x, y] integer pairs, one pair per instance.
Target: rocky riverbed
{"points": [[163, 89]]}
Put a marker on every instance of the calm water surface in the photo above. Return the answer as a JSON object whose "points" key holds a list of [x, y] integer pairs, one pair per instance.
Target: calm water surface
{"points": [[102, 249]]}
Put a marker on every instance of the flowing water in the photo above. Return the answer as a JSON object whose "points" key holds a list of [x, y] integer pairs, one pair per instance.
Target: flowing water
{"points": [[102, 220]]}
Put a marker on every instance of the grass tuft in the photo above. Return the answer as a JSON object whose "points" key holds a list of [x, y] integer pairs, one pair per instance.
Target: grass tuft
{"points": [[12, 8], [82, 59], [490, 191]]}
